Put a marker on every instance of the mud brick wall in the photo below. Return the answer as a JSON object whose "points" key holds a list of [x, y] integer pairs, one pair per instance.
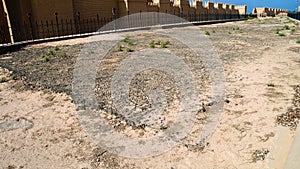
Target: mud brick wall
{"points": [[46, 9], [212, 11], [68, 9], [18, 12], [49, 18], [122, 8], [4, 37], [201, 10], [263, 12], [90, 8], [234, 11], [164, 6], [227, 10], [242, 9], [135, 6], [221, 10]]}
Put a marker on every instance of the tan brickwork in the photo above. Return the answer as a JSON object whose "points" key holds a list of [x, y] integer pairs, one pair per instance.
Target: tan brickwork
{"points": [[90, 11], [68, 9], [242, 9], [264, 12], [4, 38]]}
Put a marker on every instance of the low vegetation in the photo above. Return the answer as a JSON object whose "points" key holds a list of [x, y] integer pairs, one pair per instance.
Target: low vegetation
{"points": [[128, 50], [2, 80], [286, 27], [56, 48], [128, 40], [45, 58], [163, 44], [152, 44], [61, 54], [53, 53], [119, 48]]}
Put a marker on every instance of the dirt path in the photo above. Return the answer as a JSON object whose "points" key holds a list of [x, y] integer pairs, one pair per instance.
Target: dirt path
{"points": [[40, 129]]}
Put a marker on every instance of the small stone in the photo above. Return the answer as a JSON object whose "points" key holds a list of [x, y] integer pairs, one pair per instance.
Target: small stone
{"points": [[211, 103], [80, 107]]}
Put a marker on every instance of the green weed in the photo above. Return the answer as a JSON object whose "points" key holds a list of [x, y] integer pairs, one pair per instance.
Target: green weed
{"points": [[3, 79], [45, 58], [128, 50], [50, 53], [56, 48], [61, 55], [286, 27], [164, 44], [119, 48]]}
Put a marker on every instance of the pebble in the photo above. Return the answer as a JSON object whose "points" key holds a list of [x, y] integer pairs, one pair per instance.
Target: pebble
{"points": [[211, 103]]}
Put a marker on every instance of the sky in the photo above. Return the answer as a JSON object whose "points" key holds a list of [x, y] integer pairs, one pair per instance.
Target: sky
{"points": [[283, 4]]}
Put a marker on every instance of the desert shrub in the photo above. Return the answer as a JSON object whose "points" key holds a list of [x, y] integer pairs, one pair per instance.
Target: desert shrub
{"points": [[56, 48], [164, 44], [3, 79], [45, 58], [119, 48], [128, 50], [62, 54], [50, 53], [286, 27], [152, 45], [126, 39], [130, 42]]}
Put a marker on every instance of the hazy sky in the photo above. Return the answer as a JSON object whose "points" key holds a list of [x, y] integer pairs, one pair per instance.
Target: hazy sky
{"points": [[284, 4]]}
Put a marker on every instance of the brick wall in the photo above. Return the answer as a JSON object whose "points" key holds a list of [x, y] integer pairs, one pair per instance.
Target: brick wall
{"points": [[45, 9], [4, 37], [68, 9], [263, 12], [242, 9], [90, 8], [93, 14], [221, 10], [164, 6], [211, 10]]}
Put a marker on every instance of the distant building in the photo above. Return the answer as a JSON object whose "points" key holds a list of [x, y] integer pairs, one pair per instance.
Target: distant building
{"points": [[298, 8], [271, 12]]}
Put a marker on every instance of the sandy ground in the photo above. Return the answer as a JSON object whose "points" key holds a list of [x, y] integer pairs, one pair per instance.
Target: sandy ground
{"points": [[39, 129]]}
